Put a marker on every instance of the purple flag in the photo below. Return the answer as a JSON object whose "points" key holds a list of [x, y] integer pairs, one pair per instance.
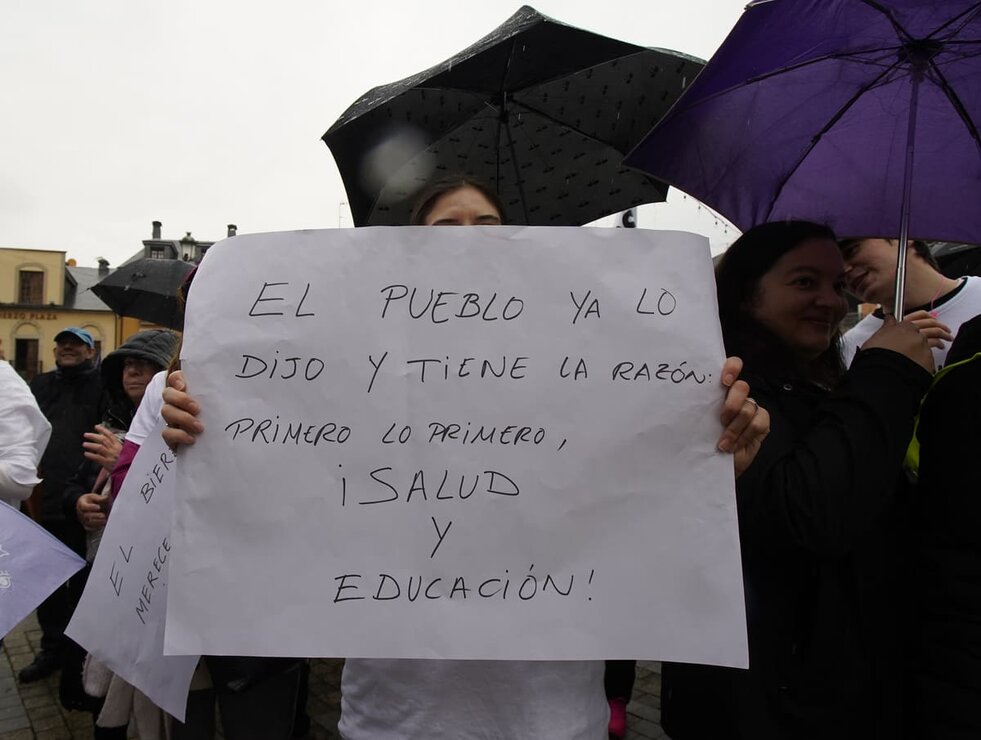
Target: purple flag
{"points": [[33, 564]]}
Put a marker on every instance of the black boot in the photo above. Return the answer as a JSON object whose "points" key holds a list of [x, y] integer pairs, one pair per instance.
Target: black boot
{"points": [[45, 663]]}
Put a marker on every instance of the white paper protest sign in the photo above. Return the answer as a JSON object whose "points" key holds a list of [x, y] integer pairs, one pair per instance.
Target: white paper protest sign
{"points": [[120, 617], [458, 443], [33, 564]]}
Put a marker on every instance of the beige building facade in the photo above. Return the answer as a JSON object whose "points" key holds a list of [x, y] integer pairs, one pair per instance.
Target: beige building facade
{"points": [[40, 294]]}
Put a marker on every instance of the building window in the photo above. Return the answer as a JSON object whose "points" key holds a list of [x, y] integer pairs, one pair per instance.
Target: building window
{"points": [[31, 287], [26, 357], [156, 253]]}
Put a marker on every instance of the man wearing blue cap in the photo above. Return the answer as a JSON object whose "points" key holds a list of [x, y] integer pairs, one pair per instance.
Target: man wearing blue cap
{"points": [[71, 398]]}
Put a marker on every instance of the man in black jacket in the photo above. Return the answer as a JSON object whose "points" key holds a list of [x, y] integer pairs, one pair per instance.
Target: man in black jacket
{"points": [[70, 396], [945, 661]]}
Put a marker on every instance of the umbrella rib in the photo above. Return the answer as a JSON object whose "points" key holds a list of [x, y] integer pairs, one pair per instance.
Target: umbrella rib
{"points": [[497, 162], [964, 18], [502, 120], [900, 31], [816, 60], [552, 119], [955, 101], [517, 172], [668, 56], [824, 129], [792, 68]]}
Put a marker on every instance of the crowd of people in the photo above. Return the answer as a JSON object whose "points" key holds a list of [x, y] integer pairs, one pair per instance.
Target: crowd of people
{"points": [[858, 526]]}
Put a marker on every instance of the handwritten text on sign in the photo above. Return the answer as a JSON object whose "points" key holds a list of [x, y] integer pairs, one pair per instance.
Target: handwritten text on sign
{"points": [[471, 443], [119, 619]]}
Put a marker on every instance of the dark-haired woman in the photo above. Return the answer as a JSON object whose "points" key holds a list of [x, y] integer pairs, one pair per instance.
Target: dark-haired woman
{"points": [[457, 200], [393, 699], [126, 373], [818, 508]]}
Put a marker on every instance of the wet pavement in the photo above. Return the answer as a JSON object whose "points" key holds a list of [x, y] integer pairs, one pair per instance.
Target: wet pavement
{"points": [[33, 711]]}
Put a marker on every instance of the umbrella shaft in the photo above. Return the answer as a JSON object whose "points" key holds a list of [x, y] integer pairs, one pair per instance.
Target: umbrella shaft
{"points": [[907, 191]]}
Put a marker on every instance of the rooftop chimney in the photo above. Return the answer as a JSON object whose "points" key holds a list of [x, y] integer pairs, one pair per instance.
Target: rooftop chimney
{"points": [[156, 229], [103, 266], [232, 229]]}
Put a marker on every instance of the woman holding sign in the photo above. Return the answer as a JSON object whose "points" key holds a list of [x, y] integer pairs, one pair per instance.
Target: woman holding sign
{"points": [[126, 373], [818, 508], [466, 698]]}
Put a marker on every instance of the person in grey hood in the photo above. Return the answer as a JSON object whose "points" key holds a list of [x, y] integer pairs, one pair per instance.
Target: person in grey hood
{"points": [[125, 375]]}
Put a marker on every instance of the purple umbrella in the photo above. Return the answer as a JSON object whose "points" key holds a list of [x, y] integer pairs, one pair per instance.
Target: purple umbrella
{"points": [[861, 114], [33, 564]]}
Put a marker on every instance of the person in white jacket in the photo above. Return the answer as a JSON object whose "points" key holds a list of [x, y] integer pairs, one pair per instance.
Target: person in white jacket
{"points": [[24, 433]]}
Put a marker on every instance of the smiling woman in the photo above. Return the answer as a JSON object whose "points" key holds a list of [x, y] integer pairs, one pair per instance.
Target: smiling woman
{"points": [[801, 298], [780, 300], [816, 508]]}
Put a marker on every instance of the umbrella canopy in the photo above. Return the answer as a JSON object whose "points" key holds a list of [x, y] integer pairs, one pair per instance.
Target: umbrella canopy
{"points": [[854, 113], [146, 289], [542, 111]]}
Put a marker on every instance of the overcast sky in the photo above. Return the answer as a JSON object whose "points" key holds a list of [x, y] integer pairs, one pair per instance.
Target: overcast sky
{"points": [[201, 113]]}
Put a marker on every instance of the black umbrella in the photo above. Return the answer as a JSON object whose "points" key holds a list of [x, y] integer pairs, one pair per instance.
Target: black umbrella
{"points": [[146, 289], [542, 111], [957, 260]]}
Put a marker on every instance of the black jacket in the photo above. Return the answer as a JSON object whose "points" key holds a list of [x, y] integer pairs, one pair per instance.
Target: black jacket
{"points": [[818, 532], [946, 660], [72, 400]]}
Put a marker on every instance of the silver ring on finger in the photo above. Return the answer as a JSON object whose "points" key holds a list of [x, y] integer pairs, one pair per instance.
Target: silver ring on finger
{"points": [[752, 401]]}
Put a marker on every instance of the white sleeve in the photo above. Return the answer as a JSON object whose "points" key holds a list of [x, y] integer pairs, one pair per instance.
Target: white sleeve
{"points": [[148, 414], [855, 337], [24, 433]]}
